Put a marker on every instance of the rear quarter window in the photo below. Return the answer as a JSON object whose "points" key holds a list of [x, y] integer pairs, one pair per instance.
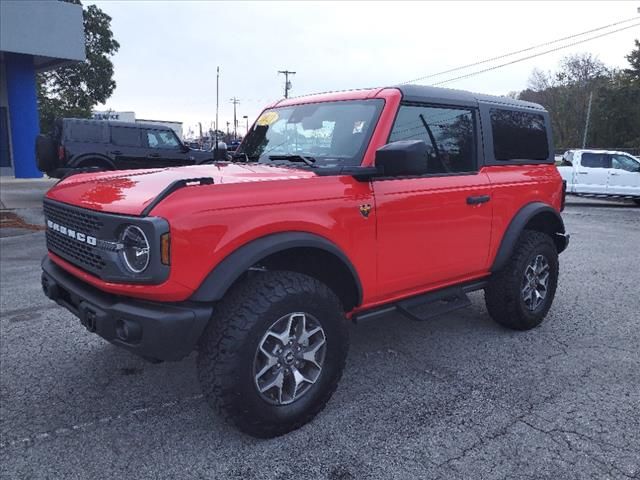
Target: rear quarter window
{"points": [[84, 132], [519, 135]]}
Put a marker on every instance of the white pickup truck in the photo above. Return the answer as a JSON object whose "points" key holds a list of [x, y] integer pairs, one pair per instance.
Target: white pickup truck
{"points": [[601, 173]]}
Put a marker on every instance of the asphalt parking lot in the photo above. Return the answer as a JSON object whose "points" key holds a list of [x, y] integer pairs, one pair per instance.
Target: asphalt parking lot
{"points": [[455, 397]]}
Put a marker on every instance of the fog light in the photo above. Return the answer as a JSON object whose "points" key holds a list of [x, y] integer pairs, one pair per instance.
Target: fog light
{"points": [[128, 331]]}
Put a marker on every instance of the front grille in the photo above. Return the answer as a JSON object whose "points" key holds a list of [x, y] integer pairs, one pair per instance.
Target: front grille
{"points": [[84, 256], [88, 240], [87, 223]]}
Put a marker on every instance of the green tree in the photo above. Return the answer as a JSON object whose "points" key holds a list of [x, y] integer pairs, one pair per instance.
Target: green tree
{"points": [[74, 90], [634, 61], [615, 118], [565, 94]]}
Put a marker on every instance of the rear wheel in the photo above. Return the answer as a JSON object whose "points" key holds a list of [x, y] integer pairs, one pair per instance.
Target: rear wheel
{"points": [[520, 295], [274, 352]]}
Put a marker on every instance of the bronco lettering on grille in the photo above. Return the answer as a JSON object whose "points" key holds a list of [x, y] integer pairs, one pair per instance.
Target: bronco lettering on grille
{"points": [[68, 232]]}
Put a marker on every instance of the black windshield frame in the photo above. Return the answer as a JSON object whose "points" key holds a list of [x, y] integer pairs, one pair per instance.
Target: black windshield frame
{"points": [[249, 149]]}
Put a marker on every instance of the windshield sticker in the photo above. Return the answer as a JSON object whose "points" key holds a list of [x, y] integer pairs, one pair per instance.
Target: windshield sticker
{"points": [[267, 118], [358, 126]]}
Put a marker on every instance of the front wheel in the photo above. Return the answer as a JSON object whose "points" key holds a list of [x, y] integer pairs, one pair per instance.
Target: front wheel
{"points": [[273, 353], [520, 295]]}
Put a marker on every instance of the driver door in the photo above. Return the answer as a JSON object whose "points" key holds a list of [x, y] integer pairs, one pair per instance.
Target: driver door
{"points": [[431, 231]]}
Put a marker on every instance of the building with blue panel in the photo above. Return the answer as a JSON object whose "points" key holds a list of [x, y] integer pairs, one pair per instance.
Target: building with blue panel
{"points": [[35, 36]]}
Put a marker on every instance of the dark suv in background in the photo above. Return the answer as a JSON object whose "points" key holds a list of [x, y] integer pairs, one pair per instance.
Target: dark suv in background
{"points": [[79, 144]]}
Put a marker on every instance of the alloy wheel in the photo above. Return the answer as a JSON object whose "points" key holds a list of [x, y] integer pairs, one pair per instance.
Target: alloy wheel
{"points": [[289, 358]]}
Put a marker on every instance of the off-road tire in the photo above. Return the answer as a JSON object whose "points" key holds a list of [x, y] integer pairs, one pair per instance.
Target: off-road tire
{"points": [[503, 295], [229, 343]]}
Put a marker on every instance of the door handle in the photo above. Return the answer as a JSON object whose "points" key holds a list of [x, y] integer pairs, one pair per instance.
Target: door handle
{"points": [[478, 199], [583, 173], [116, 152], [153, 155], [615, 173]]}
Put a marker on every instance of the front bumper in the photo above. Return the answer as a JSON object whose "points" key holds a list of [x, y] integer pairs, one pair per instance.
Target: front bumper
{"points": [[157, 331]]}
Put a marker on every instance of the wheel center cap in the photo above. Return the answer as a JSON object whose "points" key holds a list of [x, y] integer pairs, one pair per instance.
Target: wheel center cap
{"points": [[288, 357]]}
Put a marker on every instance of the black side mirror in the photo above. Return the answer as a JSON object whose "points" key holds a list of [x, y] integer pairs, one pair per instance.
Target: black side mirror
{"points": [[405, 157], [184, 148]]}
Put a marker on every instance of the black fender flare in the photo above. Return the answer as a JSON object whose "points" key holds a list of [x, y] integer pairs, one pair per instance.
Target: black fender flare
{"points": [[223, 275], [518, 224], [86, 156]]}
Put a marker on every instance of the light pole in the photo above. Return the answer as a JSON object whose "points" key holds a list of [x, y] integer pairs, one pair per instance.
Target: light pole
{"points": [[246, 118], [235, 102]]}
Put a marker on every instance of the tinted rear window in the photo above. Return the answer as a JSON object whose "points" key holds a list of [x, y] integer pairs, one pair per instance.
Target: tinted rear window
{"points": [[84, 132], [125, 136], [519, 135]]}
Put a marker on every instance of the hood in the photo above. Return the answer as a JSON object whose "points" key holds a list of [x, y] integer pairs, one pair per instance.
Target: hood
{"points": [[129, 192]]}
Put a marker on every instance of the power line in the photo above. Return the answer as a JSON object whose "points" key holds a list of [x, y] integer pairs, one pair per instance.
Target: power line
{"points": [[478, 72], [534, 47], [287, 83]]}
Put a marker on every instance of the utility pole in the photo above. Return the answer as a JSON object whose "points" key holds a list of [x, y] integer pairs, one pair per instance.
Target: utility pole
{"points": [[586, 125], [228, 129], [235, 102], [215, 147], [287, 83]]}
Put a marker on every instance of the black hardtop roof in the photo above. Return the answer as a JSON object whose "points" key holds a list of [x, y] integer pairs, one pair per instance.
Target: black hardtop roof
{"points": [[426, 94], [118, 123]]}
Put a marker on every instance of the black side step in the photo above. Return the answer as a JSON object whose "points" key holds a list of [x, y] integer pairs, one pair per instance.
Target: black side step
{"points": [[426, 307]]}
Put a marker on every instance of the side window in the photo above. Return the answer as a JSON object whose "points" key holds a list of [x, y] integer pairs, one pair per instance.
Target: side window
{"points": [[125, 136], [622, 162], [449, 133], [519, 135], [84, 132], [594, 160], [163, 139]]}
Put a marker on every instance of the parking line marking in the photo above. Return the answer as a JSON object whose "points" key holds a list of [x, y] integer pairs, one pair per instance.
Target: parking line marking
{"points": [[30, 440]]}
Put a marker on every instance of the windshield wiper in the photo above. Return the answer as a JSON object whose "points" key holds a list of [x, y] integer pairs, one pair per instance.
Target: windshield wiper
{"points": [[294, 158]]}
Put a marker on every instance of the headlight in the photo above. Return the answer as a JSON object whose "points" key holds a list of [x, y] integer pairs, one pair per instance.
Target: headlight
{"points": [[135, 249]]}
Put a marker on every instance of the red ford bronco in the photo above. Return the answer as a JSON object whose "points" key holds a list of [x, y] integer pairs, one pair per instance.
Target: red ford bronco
{"points": [[335, 206]]}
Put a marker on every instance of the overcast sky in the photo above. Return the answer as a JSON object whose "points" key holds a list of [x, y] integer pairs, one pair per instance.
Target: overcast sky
{"points": [[166, 66]]}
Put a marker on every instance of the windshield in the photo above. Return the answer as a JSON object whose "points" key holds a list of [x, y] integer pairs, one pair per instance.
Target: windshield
{"points": [[319, 134]]}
